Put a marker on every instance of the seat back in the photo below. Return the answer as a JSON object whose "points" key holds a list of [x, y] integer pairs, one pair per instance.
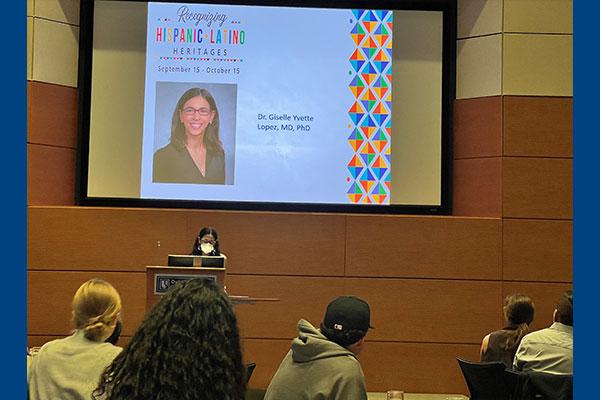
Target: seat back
{"points": [[542, 386], [513, 381], [485, 380], [249, 370]]}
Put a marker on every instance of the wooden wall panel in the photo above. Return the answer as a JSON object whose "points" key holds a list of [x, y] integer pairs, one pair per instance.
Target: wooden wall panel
{"points": [[429, 310], [39, 340], [29, 47], [52, 114], [277, 243], [401, 309], [537, 188], [300, 297], [412, 367], [267, 354], [55, 52], [478, 127], [538, 16], [544, 295], [537, 64], [50, 175], [479, 67], [537, 250], [477, 187], [416, 367], [50, 293], [78, 238], [66, 11], [433, 247], [477, 18], [538, 126]]}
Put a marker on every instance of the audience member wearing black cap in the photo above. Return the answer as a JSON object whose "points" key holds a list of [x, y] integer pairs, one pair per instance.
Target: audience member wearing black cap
{"points": [[322, 362]]}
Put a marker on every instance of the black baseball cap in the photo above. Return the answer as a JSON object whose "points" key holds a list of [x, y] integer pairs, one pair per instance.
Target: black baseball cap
{"points": [[348, 313]]}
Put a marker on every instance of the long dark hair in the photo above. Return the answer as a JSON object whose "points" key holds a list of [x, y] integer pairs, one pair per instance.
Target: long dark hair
{"points": [[207, 230], [211, 134], [518, 311], [188, 347]]}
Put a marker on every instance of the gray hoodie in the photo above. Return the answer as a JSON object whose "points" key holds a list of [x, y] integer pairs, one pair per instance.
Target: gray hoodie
{"points": [[316, 368]]}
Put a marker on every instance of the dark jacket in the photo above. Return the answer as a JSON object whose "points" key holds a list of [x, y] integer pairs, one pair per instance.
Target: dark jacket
{"points": [[531, 385], [174, 165], [316, 369]]}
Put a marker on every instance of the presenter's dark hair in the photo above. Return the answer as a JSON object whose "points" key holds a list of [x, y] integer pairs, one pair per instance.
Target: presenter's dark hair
{"points": [[518, 311], [211, 135], [207, 230], [188, 347]]}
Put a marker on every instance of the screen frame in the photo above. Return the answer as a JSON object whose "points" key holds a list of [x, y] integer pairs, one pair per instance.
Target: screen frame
{"points": [[448, 9]]}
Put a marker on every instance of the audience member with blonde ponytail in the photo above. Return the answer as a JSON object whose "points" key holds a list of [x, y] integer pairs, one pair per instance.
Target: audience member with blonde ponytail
{"points": [[70, 368], [501, 345]]}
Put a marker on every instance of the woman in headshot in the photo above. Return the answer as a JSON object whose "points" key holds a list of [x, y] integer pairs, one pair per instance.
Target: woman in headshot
{"points": [[195, 152], [70, 368], [502, 345], [187, 347], [207, 242]]}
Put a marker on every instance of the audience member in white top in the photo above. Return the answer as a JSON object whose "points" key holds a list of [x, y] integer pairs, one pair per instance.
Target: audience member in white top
{"points": [[70, 368], [550, 350]]}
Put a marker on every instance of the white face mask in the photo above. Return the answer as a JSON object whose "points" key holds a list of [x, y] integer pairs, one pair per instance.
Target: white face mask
{"points": [[206, 248]]}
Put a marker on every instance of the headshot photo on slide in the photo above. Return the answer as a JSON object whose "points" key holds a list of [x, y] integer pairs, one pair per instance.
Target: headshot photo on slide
{"points": [[194, 133]]}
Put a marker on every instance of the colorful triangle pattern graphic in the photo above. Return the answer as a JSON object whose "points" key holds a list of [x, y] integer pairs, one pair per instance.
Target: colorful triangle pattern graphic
{"points": [[357, 60], [368, 130], [356, 139], [358, 33], [380, 140], [356, 112], [370, 83], [357, 86], [383, 15], [358, 14], [370, 16], [367, 180], [368, 100]]}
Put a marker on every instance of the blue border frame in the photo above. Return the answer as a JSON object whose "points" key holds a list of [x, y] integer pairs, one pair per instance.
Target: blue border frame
{"points": [[585, 177], [14, 162]]}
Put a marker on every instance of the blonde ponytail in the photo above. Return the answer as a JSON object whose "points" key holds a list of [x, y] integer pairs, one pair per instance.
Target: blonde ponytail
{"points": [[96, 305]]}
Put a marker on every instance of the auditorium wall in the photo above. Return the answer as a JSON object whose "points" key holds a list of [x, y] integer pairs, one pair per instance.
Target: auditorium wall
{"points": [[435, 284]]}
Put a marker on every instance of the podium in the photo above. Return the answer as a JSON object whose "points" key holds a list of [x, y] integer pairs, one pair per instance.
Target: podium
{"points": [[160, 278]]}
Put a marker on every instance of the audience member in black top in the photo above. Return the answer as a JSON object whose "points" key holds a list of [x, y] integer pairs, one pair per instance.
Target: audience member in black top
{"points": [[207, 242], [501, 345], [187, 347]]}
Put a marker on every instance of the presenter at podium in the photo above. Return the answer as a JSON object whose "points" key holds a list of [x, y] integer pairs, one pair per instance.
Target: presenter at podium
{"points": [[207, 242]]}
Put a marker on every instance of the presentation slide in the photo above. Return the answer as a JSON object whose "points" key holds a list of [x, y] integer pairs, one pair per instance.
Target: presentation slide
{"points": [[302, 110], [265, 104]]}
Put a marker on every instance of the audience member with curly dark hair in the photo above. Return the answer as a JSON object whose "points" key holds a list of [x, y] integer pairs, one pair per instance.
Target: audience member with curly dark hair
{"points": [[188, 347]]}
